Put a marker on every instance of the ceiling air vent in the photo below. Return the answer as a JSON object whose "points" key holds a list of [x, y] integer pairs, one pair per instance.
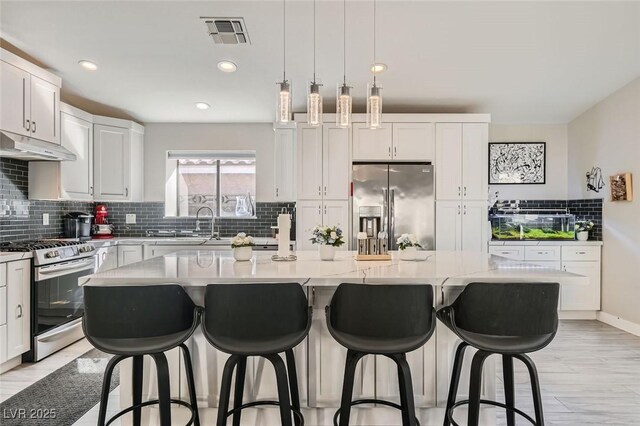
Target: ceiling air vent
{"points": [[227, 30]]}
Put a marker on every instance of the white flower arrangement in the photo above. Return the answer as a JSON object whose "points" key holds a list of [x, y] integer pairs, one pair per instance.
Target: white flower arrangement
{"points": [[327, 235], [584, 225], [242, 240], [407, 240]]}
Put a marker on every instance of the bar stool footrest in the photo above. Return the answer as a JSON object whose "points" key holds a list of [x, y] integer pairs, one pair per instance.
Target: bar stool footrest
{"points": [[295, 412], [370, 401], [154, 402], [449, 413]]}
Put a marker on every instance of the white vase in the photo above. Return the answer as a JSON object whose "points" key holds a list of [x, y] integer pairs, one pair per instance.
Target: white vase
{"points": [[582, 235], [326, 252], [242, 254], [409, 253]]}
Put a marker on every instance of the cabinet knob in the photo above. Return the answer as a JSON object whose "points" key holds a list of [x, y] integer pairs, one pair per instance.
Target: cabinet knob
{"points": [[126, 192], [19, 309], [276, 192], [459, 192], [28, 126], [34, 127], [389, 151]]}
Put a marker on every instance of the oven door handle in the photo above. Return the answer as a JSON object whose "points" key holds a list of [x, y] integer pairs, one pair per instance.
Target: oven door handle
{"points": [[74, 266]]}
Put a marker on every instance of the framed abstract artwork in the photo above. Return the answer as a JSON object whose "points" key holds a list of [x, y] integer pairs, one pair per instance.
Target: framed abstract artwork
{"points": [[517, 163], [621, 187]]}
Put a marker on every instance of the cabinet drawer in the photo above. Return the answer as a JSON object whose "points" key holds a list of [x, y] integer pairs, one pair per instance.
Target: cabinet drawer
{"points": [[580, 253], [3, 274], [3, 305], [510, 252], [542, 253]]}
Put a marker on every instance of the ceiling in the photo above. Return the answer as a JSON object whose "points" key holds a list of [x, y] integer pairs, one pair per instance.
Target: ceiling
{"points": [[523, 62]]}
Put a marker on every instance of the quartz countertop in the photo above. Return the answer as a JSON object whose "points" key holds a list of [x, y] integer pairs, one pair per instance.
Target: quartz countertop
{"points": [[11, 256], [199, 268], [182, 241], [544, 243]]}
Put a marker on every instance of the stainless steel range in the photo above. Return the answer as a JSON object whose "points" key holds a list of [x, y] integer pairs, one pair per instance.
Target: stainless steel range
{"points": [[56, 299]]}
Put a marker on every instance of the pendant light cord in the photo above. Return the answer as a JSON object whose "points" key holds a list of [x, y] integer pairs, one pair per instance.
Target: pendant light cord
{"points": [[374, 43], [284, 40], [314, 41], [344, 42]]}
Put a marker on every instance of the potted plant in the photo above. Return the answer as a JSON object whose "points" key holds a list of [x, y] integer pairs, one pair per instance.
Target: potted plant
{"points": [[242, 245], [582, 229], [408, 246], [327, 238]]}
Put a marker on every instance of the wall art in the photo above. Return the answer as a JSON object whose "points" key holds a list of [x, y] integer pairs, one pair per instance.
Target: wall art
{"points": [[517, 163], [621, 187]]}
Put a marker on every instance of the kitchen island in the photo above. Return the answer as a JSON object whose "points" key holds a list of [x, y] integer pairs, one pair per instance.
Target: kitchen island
{"points": [[320, 360]]}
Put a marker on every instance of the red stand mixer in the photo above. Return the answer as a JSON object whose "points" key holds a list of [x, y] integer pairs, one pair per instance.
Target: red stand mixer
{"points": [[102, 228]]}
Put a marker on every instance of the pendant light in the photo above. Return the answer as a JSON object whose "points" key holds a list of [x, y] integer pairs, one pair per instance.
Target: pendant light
{"points": [[283, 108], [343, 95], [314, 98], [374, 99]]}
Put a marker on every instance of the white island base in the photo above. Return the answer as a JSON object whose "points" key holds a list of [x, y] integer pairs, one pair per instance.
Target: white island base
{"points": [[319, 359]]}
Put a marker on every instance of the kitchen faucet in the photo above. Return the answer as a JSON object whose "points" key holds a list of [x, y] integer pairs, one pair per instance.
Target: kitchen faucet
{"points": [[214, 235]]}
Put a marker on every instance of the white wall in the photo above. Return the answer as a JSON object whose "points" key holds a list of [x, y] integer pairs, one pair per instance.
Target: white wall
{"points": [[608, 136], [161, 137], [555, 135]]}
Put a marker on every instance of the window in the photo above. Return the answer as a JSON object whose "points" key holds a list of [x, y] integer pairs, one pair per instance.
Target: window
{"points": [[224, 181]]}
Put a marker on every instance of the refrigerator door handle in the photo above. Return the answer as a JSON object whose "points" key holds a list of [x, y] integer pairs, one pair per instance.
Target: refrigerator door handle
{"points": [[392, 222], [385, 210]]}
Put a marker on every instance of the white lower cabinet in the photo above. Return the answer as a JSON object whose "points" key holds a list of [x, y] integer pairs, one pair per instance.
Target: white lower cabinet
{"points": [[461, 225], [128, 254], [16, 294], [107, 258], [310, 214], [580, 295]]}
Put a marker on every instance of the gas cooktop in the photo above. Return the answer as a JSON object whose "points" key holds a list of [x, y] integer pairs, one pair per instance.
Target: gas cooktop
{"points": [[50, 251], [32, 245]]}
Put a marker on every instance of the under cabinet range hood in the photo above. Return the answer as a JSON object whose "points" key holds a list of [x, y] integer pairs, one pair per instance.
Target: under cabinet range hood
{"points": [[21, 147]]}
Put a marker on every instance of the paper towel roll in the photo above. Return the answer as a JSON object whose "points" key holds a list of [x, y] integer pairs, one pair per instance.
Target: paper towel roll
{"points": [[284, 228]]}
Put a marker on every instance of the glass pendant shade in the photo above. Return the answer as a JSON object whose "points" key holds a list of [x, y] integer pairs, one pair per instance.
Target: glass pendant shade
{"points": [[283, 109], [374, 106], [343, 106], [314, 105]]}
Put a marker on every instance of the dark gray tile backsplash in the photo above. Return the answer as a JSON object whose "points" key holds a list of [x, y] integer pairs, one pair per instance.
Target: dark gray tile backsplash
{"points": [[21, 218]]}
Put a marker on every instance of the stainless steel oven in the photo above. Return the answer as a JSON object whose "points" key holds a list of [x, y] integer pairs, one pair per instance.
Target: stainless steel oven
{"points": [[58, 305]]}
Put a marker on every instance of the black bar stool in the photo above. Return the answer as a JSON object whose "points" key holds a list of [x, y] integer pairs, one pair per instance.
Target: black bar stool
{"points": [[133, 321], [257, 320], [388, 320], [510, 319]]}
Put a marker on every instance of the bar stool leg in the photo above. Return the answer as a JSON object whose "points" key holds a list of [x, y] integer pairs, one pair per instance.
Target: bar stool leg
{"points": [[475, 387], [137, 372], [283, 389], [347, 386], [455, 379], [106, 384], [191, 384], [293, 384], [164, 389], [509, 388], [535, 388], [406, 390], [225, 389], [241, 370]]}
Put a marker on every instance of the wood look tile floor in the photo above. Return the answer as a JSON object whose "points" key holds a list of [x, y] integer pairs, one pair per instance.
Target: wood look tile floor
{"points": [[590, 375]]}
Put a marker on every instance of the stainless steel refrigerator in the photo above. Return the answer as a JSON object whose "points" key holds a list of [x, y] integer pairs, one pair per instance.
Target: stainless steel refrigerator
{"points": [[396, 198]]}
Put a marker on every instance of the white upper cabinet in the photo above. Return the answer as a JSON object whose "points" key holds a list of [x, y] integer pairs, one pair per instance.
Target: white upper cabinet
{"points": [[15, 99], [461, 161], [76, 177], [45, 110], [29, 99], [336, 163], [413, 141], [309, 162], [118, 160], [475, 145], [324, 163], [372, 145], [448, 161], [285, 165], [394, 142]]}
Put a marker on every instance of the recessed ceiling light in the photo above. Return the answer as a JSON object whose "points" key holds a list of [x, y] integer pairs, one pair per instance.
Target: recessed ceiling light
{"points": [[202, 105], [227, 66], [378, 68], [88, 65]]}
